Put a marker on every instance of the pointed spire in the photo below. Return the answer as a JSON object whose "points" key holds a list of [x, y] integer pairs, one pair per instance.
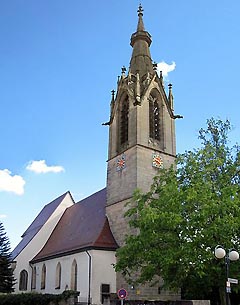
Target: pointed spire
{"points": [[140, 41], [141, 34]]}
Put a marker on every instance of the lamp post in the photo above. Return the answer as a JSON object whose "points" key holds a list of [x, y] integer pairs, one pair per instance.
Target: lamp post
{"points": [[231, 255]]}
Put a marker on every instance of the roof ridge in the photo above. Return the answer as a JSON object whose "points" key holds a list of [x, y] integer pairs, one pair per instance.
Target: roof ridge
{"points": [[92, 195]]}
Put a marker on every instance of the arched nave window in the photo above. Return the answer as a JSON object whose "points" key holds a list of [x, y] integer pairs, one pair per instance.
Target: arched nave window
{"points": [[34, 277], [74, 276], [43, 277], [23, 280], [58, 276]]}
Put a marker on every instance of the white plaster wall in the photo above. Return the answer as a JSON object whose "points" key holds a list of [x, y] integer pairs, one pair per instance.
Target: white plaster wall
{"points": [[66, 267], [102, 272], [36, 244]]}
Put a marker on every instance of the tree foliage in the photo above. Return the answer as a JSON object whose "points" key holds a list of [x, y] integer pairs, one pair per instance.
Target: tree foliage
{"points": [[6, 272], [192, 207]]}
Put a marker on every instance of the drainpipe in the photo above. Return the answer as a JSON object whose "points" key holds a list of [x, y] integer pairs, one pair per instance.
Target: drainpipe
{"points": [[89, 276], [31, 276]]}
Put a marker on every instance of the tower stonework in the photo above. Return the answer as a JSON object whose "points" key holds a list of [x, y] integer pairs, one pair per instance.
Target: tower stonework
{"points": [[141, 140]]}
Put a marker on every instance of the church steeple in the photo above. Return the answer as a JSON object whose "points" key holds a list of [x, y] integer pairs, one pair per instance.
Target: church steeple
{"points": [[141, 61], [141, 136], [141, 126]]}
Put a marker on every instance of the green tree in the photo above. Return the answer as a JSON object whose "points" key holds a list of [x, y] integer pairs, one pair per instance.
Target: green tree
{"points": [[6, 272], [192, 207]]}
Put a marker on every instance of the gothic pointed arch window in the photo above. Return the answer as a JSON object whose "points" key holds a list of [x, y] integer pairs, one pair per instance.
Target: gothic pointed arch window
{"points": [[34, 277], [154, 119], [124, 121], [43, 277], [74, 275], [23, 280], [58, 276]]}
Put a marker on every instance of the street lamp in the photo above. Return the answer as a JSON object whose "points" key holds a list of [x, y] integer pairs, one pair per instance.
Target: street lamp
{"points": [[232, 255]]}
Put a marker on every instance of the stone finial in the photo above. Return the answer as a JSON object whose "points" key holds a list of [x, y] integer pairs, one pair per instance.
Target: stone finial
{"points": [[138, 90], [111, 109], [123, 71], [113, 94], [161, 78], [112, 104], [155, 66], [170, 96]]}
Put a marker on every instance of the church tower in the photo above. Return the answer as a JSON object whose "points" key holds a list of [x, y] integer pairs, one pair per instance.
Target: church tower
{"points": [[141, 133]]}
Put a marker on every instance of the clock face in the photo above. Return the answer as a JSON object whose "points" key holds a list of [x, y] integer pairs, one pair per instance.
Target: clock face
{"points": [[121, 162], [157, 161]]}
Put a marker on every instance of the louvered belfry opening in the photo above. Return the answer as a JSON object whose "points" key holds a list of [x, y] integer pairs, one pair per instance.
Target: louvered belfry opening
{"points": [[124, 122], [154, 120]]}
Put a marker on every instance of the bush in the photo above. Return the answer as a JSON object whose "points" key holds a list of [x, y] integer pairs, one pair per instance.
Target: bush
{"points": [[36, 298]]}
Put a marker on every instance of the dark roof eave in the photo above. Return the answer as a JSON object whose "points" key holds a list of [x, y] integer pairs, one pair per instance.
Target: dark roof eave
{"points": [[56, 255]]}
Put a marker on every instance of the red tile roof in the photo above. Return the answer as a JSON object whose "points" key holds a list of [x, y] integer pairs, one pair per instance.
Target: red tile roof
{"points": [[83, 226]]}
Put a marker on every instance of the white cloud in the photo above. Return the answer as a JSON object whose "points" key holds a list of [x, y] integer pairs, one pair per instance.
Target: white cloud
{"points": [[40, 167], [8, 183], [3, 216], [165, 68]]}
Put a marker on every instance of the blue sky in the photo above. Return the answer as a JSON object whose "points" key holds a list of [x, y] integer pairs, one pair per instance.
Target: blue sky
{"points": [[59, 61]]}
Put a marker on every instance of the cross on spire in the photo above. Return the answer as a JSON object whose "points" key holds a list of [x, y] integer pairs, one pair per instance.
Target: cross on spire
{"points": [[140, 10]]}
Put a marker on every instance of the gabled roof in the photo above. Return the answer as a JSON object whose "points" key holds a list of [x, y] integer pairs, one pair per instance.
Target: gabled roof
{"points": [[37, 224], [82, 226]]}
